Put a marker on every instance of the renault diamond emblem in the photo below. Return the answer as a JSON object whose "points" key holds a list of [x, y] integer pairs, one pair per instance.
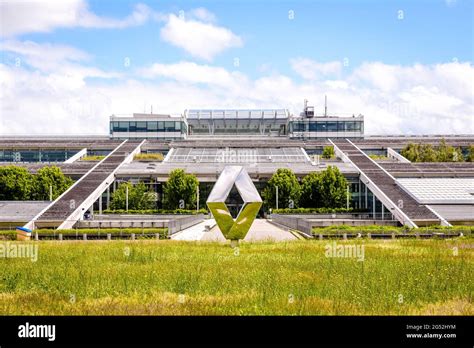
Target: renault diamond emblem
{"points": [[234, 230]]}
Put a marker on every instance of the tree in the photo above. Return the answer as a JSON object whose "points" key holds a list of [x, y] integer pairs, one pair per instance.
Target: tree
{"points": [[180, 190], [289, 190], [333, 188], [310, 191], [427, 154], [15, 183], [328, 152], [411, 152], [139, 197], [470, 153], [327, 189], [49, 177]]}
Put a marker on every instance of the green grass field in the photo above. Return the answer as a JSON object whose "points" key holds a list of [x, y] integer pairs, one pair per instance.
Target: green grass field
{"points": [[191, 278]]}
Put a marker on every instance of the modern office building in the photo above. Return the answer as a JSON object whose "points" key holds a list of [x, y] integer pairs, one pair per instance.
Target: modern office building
{"points": [[148, 126], [203, 142], [271, 122]]}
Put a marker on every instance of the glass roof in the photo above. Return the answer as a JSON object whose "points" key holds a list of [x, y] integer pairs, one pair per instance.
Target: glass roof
{"points": [[237, 113], [440, 190]]}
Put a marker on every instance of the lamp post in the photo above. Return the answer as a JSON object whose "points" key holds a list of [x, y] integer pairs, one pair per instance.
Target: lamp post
{"points": [[126, 198], [276, 188], [347, 197], [197, 198]]}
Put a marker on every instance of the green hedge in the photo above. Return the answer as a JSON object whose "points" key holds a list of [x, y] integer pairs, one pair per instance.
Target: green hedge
{"points": [[102, 231], [7, 235], [11, 234], [374, 229], [314, 211], [156, 211]]}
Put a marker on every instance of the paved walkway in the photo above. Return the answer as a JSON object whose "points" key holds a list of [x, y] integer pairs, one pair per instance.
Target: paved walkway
{"points": [[195, 232], [261, 230]]}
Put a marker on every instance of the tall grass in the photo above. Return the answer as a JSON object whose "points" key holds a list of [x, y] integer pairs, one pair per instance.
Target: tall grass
{"points": [[292, 278]]}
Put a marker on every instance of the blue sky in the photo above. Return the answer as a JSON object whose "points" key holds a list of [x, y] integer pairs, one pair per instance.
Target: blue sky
{"points": [[396, 51], [369, 30]]}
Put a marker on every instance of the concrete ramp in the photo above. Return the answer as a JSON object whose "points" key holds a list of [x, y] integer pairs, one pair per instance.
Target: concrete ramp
{"points": [[383, 185], [67, 209]]}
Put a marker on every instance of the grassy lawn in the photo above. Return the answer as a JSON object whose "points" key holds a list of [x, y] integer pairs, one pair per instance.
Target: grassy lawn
{"points": [[292, 278]]}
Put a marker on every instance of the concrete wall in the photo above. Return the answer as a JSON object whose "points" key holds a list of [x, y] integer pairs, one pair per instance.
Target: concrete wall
{"points": [[174, 223], [305, 223]]}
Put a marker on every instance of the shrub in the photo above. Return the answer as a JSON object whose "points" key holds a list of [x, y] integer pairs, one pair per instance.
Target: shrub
{"points": [[149, 157], [328, 152], [92, 158], [102, 231], [378, 157], [156, 211], [313, 211]]}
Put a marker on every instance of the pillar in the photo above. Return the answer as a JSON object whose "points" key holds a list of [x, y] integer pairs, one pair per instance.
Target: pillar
{"points": [[366, 203], [373, 204], [100, 204]]}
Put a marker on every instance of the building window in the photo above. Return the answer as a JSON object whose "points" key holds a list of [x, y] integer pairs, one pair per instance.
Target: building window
{"points": [[321, 126], [161, 126], [341, 126], [140, 126], [152, 126], [357, 126], [312, 127], [169, 126], [123, 126], [350, 126], [331, 127]]}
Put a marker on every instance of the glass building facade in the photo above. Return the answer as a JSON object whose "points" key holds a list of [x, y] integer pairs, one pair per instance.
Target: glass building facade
{"points": [[38, 155], [143, 126], [147, 126], [237, 121], [307, 125]]}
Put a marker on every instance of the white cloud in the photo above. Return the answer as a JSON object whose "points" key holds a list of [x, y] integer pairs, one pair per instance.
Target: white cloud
{"points": [[202, 40], [201, 14], [195, 32], [421, 99], [64, 62], [311, 70], [19, 17], [190, 72]]}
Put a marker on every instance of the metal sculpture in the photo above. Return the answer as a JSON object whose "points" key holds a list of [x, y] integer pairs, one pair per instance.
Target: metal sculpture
{"points": [[234, 230]]}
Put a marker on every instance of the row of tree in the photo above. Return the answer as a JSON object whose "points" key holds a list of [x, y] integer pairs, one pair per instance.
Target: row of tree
{"points": [[179, 192], [17, 183], [441, 153], [327, 188]]}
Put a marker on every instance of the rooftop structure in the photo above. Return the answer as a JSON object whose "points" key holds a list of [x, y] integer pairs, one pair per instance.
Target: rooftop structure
{"points": [[204, 142], [145, 126], [237, 121]]}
